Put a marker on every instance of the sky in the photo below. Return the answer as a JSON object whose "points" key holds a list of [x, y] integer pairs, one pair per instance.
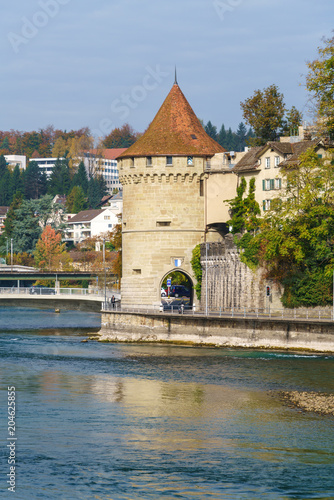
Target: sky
{"points": [[103, 63]]}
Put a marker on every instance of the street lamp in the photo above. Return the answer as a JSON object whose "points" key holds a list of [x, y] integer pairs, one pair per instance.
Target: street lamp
{"points": [[11, 255], [206, 278], [105, 275]]}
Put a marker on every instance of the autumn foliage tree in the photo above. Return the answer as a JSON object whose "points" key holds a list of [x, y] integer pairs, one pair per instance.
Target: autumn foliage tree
{"points": [[122, 137], [320, 82], [50, 253]]}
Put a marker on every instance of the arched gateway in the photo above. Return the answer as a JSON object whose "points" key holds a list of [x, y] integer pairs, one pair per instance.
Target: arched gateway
{"points": [[185, 286], [163, 199]]}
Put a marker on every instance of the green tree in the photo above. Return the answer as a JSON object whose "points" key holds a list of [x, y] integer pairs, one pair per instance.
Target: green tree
{"points": [[34, 186], [11, 214], [221, 139], [76, 200], [96, 190], [244, 210], [16, 181], [240, 140], [230, 140], [5, 188], [293, 120], [26, 229], [320, 83], [60, 179], [295, 241], [80, 178], [5, 144], [211, 130], [3, 165], [264, 112], [197, 269], [30, 219]]}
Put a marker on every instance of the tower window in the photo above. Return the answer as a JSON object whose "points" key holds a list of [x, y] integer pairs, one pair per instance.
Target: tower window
{"points": [[169, 160], [190, 160], [149, 161], [163, 223], [201, 188]]}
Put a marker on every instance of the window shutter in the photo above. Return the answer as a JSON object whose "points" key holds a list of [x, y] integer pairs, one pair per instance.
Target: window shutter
{"points": [[264, 205], [272, 183], [263, 185]]}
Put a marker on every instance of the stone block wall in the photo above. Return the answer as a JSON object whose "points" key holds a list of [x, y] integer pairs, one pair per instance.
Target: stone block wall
{"points": [[230, 283]]}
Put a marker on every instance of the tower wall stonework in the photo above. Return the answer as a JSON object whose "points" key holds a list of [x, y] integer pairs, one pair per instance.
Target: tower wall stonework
{"points": [[230, 283], [163, 220]]}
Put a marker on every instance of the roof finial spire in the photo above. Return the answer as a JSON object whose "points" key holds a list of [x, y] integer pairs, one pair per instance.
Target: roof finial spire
{"points": [[175, 82]]}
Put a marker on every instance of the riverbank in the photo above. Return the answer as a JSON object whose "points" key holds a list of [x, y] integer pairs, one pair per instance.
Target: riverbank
{"points": [[263, 333], [309, 401]]}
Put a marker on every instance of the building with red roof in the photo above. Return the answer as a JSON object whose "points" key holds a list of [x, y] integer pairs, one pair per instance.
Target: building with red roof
{"points": [[164, 208]]}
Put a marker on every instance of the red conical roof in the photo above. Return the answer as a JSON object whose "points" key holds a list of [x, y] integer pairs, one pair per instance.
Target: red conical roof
{"points": [[175, 130]]}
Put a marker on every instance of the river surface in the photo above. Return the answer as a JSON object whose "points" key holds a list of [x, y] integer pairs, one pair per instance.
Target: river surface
{"points": [[130, 421]]}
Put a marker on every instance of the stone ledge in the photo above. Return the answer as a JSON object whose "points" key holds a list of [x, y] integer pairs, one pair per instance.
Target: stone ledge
{"points": [[221, 332]]}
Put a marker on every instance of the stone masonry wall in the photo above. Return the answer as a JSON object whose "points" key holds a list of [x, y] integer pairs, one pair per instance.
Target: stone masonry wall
{"points": [[230, 283]]}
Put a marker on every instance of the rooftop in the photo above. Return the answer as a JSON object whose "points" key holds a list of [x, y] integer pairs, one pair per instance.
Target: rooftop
{"points": [[86, 215], [175, 130]]}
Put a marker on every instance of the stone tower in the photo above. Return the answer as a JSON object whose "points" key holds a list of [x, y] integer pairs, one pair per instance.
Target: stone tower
{"points": [[163, 199]]}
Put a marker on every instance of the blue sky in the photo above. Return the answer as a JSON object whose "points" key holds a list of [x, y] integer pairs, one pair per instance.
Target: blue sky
{"points": [[76, 63]]}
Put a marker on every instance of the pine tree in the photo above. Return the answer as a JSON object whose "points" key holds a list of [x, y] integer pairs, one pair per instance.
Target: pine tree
{"points": [[60, 180], [222, 136], [11, 214], [3, 165], [76, 200], [80, 178], [5, 188], [211, 130], [241, 133], [32, 187], [230, 140], [17, 181]]}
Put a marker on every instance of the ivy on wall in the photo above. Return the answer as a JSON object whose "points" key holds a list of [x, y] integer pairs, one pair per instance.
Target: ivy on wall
{"points": [[197, 269]]}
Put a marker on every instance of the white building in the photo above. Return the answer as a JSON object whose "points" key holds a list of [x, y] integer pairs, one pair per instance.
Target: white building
{"points": [[13, 160], [46, 165], [115, 202], [103, 162], [90, 223]]}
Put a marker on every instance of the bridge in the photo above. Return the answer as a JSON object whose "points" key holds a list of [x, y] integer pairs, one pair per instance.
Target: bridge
{"points": [[61, 298], [18, 293]]}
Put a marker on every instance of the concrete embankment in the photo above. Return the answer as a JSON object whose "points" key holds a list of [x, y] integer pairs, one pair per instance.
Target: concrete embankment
{"points": [[228, 332]]}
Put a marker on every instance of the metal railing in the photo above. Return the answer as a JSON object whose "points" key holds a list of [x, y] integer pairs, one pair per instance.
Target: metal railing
{"points": [[312, 314], [82, 292]]}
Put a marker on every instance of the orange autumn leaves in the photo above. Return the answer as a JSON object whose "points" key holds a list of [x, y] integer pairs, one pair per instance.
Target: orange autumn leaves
{"points": [[50, 254]]}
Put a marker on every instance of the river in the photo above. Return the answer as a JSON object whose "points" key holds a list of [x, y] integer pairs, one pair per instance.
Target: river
{"points": [[140, 421]]}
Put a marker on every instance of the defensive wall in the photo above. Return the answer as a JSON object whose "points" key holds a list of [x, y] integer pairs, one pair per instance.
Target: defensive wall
{"points": [[257, 333], [229, 283]]}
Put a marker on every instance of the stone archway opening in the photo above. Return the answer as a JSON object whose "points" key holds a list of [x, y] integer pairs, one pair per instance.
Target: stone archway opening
{"points": [[181, 289]]}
